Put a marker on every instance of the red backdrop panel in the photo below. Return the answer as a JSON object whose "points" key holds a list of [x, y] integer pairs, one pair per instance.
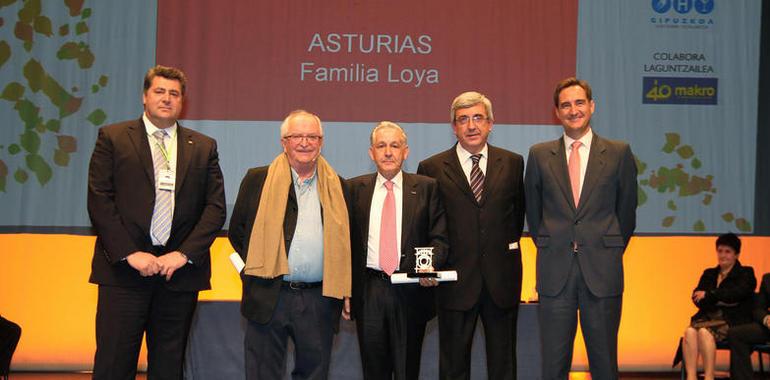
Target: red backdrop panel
{"points": [[401, 60]]}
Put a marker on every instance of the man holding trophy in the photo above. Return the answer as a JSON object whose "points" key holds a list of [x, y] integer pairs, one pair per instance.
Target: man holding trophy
{"points": [[395, 216]]}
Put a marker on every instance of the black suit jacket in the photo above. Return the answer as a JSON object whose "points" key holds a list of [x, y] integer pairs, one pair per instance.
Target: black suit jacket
{"points": [[733, 296], [481, 235], [601, 225], [423, 224], [121, 197], [260, 295]]}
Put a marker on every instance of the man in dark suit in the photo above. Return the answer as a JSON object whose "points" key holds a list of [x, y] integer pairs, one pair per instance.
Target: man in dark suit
{"points": [[483, 192], [392, 213], [156, 200], [581, 211], [290, 224], [742, 337]]}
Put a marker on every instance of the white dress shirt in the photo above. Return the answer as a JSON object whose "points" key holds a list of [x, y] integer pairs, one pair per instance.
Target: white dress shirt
{"points": [[375, 218], [467, 162], [583, 151]]}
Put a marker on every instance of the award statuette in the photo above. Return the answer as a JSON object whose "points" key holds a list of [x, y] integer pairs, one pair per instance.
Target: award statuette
{"points": [[423, 268], [423, 263]]}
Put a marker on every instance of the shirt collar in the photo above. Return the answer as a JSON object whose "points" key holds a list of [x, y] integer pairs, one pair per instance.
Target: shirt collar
{"points": [[586, 139], [297, 182], [151, 128], [397, 180], [465, 155]]}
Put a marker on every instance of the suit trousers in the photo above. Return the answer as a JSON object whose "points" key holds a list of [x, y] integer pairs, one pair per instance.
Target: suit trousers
{"points": [[456, 328], [305, 316], [599, 321], [124, 314], [740, 339], [390, 339]]}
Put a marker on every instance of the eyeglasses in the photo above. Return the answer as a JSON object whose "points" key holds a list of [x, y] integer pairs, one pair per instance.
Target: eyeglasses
{"points": [[478, 119], [298, 138]]}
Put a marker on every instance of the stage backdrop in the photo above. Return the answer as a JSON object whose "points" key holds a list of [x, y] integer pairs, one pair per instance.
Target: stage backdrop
{"points": [[675, 78]]}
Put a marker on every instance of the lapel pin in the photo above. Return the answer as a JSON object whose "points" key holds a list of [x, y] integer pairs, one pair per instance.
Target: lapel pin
{"points": [[189, 142], [413, 192]]}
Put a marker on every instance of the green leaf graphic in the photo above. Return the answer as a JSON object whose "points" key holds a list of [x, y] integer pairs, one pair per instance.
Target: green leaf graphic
{"points": [[30, 141], [20, 175], [97, 117], [13, 92], [42, 170], [728, 217], [672, 140], [668, 221], [699, 226], [43, 26]]}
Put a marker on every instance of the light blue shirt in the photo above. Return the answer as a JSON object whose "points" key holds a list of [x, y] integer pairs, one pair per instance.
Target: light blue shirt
{"points": [[306, 254]]}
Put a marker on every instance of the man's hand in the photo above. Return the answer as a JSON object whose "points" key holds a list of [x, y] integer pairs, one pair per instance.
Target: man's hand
{"points": [[346, 309], [146, 263], [428, 282], [170, 262]]}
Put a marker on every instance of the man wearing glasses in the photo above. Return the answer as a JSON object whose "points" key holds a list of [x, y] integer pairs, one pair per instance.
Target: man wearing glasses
{"points": [[483, 193], [290, 226]]}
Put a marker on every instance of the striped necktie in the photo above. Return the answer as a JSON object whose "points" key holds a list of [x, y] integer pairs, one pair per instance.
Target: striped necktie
{"points": [[477, 178], [161, 215]]}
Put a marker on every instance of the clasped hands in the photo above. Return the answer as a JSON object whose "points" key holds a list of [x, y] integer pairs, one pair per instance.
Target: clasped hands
{"points": [[149, 265]]}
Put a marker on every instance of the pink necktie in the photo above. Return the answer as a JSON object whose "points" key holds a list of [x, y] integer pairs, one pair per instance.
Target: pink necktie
{"points": [[388, 251], [574, 171]]}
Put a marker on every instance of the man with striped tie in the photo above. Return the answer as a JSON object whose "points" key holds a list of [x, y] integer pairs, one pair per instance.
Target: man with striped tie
{"points": [[483, 191], [156, 201]]}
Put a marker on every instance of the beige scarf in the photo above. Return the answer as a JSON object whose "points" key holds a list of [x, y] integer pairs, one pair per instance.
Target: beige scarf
{"points": [[267, 256]]}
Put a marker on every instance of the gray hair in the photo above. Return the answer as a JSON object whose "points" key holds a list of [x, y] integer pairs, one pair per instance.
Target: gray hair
{"points": [[468, 100], [295, 113], [387, 125]]}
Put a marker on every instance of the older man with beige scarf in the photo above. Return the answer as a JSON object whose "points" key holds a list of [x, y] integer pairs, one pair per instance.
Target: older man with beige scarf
{"points": [[290, 225]]}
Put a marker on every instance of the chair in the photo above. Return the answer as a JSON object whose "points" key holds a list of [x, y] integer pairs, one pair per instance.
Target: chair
{"points": [[758, 348], [761, 349]]}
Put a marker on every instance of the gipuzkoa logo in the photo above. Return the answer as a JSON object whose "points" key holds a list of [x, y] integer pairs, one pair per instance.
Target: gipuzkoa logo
{"points": [[682, 13], [683, 7], [674, 90]]}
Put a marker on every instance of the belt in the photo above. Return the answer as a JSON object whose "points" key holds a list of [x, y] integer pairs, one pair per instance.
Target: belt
{"points": [[296, 285], [377, 274]]}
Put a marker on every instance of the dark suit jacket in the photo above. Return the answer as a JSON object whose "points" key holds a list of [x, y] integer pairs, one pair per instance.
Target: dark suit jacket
{"points": [[601, 225], [260, 295], [121, 197], [423, 224], [734, 295], [480, 234], [762, 301]]}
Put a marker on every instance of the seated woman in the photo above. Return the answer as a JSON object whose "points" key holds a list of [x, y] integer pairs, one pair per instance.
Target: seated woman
{"points": [[724, 298]]}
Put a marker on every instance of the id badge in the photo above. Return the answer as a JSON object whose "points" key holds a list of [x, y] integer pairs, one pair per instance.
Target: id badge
{"points": [[166, 180]]}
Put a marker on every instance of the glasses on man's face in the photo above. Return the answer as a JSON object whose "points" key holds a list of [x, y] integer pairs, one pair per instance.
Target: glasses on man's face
{"points": [[478, 119], [298, 138]]}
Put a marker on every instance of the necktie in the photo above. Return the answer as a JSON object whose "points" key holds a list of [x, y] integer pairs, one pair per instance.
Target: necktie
{"points": [[161, 215], [477, 178], [388, 251], [574, 171]]}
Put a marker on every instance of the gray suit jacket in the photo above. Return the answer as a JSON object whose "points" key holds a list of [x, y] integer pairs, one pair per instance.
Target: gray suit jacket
{"points": [[601, 225]]}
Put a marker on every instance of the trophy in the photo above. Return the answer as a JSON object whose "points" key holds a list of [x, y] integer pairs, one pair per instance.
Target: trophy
{"points": [[423, 264]]}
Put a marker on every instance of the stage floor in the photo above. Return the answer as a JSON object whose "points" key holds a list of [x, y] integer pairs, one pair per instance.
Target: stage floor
{"points": [[86, 376]]}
